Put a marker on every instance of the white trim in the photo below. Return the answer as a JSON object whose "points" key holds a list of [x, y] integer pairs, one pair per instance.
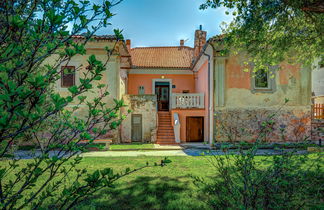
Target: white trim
{"points": [[160, 71], [170, 87]]}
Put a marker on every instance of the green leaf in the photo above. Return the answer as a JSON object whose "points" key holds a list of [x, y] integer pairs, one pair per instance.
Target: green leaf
{"points": [[73, 89]]}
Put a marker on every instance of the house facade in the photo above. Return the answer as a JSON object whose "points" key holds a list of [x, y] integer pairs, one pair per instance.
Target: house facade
{"points": [[180, 94], [115, 76], [168, 95]]}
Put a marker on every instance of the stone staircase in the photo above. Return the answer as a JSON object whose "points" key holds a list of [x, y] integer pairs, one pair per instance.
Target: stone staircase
{"points": [[165, 133]]}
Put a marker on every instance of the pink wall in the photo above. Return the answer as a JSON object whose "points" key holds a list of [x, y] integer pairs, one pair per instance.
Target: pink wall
{"points": [[181, 81], [202, 82], [183, 114]]}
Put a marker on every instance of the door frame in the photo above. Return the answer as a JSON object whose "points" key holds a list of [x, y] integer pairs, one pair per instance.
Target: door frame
{"points": [[170, 89], [203, 128], [132, 128]]}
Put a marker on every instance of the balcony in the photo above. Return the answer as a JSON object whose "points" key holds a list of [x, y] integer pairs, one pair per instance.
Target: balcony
{"points": [[188, 100]]}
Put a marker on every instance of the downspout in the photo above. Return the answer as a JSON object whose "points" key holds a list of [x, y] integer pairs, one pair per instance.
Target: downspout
{"points": [[209, 104]]}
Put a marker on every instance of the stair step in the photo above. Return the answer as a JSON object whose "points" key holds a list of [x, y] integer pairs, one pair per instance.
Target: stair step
{"points": [[166, 137], [165, 132]]}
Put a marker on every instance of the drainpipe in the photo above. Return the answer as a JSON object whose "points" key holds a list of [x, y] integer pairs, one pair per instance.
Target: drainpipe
{"points": [[209, 95]]}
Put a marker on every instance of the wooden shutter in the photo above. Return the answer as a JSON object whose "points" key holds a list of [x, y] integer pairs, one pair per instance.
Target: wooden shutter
{"points": [[67, 76]]}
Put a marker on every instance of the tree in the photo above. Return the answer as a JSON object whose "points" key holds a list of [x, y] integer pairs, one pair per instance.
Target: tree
{"points": [[274, 31], [30, 32]]}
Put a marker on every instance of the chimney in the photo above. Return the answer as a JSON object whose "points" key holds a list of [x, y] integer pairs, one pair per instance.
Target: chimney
{"points": [[128, 44], [200, 40], [181, 43]]}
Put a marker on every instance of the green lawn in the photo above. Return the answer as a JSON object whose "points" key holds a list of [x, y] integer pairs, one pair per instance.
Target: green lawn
{"points": [[169, 187], [131, 146]]}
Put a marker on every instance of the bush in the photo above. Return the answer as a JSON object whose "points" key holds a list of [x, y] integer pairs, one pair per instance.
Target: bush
{"points": [[286, 181], [242, 181]]}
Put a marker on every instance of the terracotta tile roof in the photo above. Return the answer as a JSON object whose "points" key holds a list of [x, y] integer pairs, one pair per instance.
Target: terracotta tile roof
{"points": [[162, 57], [96, 37]]}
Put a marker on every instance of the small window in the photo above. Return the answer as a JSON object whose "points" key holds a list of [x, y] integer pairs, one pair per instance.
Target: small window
{"points": [[67, 76], [261, 79], [185, 91], [141, 90]]}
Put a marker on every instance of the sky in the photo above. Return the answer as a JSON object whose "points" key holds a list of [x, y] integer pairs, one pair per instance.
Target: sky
{"points": [[164, 22]]}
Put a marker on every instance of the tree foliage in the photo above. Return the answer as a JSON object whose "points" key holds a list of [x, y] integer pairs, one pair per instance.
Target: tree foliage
{"points": [[272, 31], [31, 110]]}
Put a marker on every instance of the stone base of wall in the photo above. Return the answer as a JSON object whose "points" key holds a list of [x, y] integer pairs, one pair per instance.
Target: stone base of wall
{"points": [[288, 124], [144, 105]]}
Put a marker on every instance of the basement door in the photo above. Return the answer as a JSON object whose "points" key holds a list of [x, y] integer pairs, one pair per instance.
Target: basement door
{"points": [[195, 129], [136, 127]]}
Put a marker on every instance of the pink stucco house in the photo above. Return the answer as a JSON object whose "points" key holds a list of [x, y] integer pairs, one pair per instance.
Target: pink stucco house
{"points": [[178, 84]]}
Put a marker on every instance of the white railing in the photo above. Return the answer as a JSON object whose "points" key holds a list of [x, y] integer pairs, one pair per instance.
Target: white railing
{"points": [[188, 100]]}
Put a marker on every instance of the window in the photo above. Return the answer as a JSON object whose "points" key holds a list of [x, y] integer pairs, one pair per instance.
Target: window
{"points": [[141, 90], [67, 76], [261, 79], [264, 81]]}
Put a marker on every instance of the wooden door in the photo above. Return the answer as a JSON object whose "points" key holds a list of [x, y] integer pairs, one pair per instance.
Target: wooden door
{"points": [[136, 127], [162, 93], [195, 129]]}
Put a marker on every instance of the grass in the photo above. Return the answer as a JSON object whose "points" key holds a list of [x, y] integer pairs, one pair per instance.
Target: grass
{"points": [[169, 187], [131, 146]]}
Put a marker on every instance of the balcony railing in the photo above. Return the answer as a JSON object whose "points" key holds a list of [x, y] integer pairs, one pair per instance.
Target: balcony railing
{"points": [[188, 100]]}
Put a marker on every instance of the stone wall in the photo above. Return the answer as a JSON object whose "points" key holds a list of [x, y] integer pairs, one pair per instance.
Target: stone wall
{"points": [[146, 106], [289, 124]]}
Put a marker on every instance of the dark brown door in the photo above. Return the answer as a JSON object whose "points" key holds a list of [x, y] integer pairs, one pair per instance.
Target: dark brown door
{"points": [[136, 127], [195, 129], [162, 92]]}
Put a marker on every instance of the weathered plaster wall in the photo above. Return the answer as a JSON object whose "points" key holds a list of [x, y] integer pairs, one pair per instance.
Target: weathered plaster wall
{"points": [[245, 109], [291, 82], [146, 106], [183, 114], [112, 78], [181, 81]]}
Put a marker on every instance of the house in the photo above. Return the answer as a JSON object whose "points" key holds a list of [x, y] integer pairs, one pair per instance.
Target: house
{"points": [[168, 94], [242, 99], [180, 94], [115, 77]]}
